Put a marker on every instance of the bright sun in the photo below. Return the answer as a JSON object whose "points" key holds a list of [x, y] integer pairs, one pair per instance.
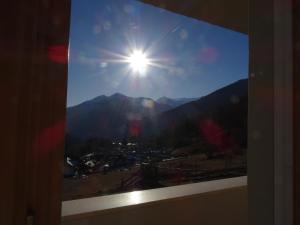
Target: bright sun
{"points": [[138, 62]]}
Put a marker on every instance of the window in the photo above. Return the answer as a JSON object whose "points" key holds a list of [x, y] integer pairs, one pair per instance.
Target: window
{"points": [[33, 93], [155, 99]]}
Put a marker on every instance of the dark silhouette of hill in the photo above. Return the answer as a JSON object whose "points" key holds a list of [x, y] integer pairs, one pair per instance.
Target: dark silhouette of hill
{"points": [[175, 102], [119, 116], [112, 116], [226, 96], [218, 119]]}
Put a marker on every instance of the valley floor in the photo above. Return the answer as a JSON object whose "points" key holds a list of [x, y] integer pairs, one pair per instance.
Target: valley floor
{"points": [[182, 170]]}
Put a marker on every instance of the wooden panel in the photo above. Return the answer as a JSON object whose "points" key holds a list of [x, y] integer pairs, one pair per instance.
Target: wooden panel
{"points": [[34, 39], [12, 48], [296, 25]]}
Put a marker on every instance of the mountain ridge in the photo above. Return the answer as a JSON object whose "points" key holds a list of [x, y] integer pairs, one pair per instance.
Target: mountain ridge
{"points": [[117, 115]]}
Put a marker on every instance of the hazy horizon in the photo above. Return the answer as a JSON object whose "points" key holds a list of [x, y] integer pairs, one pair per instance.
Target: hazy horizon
{"points": [[155, 99]]}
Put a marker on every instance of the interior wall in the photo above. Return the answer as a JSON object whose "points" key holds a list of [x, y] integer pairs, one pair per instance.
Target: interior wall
{"points": [[261, 114]]}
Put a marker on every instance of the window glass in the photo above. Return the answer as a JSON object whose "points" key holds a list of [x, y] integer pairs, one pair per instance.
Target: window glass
{"points": [[155, 99]]}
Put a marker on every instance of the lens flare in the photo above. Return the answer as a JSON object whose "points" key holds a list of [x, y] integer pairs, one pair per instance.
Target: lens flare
{"points": [[138, 61]]}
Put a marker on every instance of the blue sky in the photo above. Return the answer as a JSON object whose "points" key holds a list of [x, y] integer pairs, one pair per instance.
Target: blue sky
{"points": [[193, 58]]}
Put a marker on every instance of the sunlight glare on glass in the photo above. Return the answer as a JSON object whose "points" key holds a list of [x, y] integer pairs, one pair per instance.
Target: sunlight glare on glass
{"points": [[138, 62], [135, 197]]}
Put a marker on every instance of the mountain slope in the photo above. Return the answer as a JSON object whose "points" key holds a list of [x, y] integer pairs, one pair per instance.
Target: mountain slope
{"points": [[119, 116], [218, 119], [175, 102], [228, 95], [111, 117]]}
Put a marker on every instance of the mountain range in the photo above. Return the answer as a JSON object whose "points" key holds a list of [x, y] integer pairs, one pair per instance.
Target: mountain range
{"points": [[119, 116], [175, 102]]}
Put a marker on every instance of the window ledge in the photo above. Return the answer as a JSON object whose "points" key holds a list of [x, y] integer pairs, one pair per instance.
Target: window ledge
{"points": [[97, 204]]}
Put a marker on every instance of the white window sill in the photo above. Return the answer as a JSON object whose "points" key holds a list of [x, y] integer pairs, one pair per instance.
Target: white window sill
{"points": [[97, 204]]}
